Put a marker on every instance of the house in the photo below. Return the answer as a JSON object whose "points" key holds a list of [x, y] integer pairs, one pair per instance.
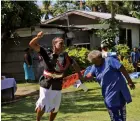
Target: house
{"points": [[12, 54], [77, 27], [89, 21]]}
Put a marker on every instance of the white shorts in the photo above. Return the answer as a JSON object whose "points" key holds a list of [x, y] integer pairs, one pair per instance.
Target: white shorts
{"points": [[50, 99]]}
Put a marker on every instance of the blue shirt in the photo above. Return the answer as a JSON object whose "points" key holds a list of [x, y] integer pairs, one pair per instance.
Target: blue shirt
{"points": [[109, 54], [135, 57], [112, 54], [114, 87]]}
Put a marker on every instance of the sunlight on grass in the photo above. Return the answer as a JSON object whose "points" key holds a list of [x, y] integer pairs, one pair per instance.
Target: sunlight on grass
{"points": [[76, 106]]}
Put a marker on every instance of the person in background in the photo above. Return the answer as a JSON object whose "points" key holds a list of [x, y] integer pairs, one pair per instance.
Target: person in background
{"points": [[28, 67], [134, 58], [138, 65], [56, 63], [110, 73]]}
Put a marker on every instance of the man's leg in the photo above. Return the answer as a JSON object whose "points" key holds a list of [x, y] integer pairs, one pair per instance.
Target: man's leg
{"points": [[135, 67], [52, 116], [39, 113], [56, 102]]}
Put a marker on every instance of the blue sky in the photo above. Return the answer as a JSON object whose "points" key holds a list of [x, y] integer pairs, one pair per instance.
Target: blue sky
{"points": [[39, 3]]}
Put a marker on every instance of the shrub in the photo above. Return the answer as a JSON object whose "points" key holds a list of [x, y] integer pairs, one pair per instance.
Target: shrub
{"points": [[122, 50], [129, 67], [80, 56]]}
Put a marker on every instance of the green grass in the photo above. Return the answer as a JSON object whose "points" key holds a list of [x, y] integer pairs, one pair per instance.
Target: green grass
{"points": [[29, 85], [76, 106]]}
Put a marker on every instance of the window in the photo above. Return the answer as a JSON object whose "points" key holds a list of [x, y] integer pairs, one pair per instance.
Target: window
{"points": [[125, 37]]}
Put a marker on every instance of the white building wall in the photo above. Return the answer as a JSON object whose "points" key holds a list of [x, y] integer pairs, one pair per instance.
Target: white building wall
{"points": [[135, 33], [25, 32], [95, 41]]}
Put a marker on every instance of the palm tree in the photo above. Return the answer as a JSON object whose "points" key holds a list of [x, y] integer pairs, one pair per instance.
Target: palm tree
{"points": [[46, 10]]}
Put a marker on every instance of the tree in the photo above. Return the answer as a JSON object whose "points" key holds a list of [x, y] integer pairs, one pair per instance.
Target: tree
{"points": [[46, 9], [136, 9], [18, 14], [135, 14], [99, 6], [63, 6], [108, 35]]}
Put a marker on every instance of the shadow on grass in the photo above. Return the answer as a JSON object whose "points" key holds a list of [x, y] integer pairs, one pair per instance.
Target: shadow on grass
{"points": [[19, 97], [72, 102], [78, 102], [19, 111]]}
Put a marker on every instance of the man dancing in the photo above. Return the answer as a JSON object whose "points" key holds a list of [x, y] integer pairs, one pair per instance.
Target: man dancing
{"points": [[56, 62]]}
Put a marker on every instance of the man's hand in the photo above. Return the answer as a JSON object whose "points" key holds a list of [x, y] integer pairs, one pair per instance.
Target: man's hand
{"points": [[29, 66], [40, 34], [131, 85], [89, 75], [82, 79]]}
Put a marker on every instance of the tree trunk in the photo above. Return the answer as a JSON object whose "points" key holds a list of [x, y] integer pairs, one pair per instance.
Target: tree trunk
{"points": [[81, 5], [112, 10]]}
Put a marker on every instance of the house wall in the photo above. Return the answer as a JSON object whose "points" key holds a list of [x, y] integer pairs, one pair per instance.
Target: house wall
{"points": [[95, 42], [81, 37], [12, 55], [84, 21], [135, 33]]}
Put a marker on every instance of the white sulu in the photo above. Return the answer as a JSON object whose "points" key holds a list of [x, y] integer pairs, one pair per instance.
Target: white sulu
{"points": [[50, 99]]}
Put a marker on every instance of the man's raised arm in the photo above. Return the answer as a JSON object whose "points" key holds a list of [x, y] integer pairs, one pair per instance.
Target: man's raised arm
{"points": [[34, 42]]}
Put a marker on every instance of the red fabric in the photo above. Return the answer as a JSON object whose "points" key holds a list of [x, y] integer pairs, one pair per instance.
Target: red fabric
{"points": [[70, 80]]}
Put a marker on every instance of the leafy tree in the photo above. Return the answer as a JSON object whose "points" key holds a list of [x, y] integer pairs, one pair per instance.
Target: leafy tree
{"points": [[99, 6], [63, 6], [122, 7], [18, 14], [130, 8], [135, 14], [108, 35], [136, 9], [46, 9]]}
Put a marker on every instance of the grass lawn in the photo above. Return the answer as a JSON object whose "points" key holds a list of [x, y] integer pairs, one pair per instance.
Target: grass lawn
{"points": [[76, 106]]}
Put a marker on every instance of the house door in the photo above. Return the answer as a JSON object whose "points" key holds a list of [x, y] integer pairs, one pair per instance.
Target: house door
{"points": [[122, 36], [129, 38]]}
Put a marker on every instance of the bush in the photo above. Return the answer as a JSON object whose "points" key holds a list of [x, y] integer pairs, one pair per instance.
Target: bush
{"points": [[122, 50], [129, 67], [80, 56]]}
